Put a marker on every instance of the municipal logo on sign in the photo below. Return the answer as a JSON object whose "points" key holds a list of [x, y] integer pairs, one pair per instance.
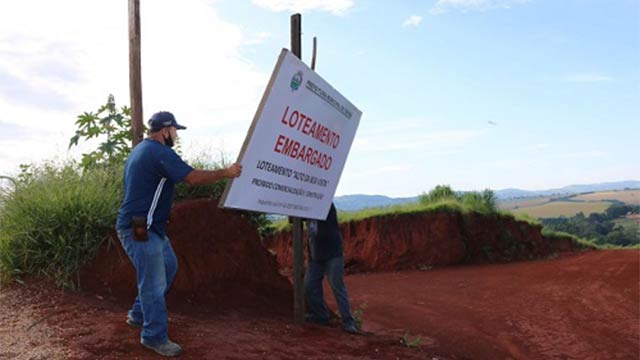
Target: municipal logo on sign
{"points": [[296, 81]]}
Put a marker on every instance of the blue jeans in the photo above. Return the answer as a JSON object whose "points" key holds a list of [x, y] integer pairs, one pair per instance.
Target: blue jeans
{"points": [[317, 309], [156, 266]]}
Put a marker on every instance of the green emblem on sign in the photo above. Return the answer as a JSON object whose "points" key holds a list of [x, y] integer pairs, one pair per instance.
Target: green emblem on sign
{"points": [[296, 81]]}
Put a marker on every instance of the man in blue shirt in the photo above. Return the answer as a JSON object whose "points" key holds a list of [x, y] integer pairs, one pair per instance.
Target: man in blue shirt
{"points": [[150, 175], [326, 258]]}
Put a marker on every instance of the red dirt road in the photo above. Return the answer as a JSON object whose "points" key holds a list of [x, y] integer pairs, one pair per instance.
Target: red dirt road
{"points": [[576, 306]]}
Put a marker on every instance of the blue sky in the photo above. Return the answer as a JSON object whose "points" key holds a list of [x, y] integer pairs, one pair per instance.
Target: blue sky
{"points": [[472, 93]]}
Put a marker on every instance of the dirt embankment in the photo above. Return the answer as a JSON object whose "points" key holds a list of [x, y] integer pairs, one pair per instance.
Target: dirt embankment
{"points": [[220, 260], [414, 241]]}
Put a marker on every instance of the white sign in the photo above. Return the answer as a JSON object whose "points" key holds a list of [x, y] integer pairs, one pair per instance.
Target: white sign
{"points": [[296, 147]]}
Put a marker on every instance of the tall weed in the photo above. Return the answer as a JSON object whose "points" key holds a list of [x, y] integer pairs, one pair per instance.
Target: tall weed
{"points": [[55, 219]]}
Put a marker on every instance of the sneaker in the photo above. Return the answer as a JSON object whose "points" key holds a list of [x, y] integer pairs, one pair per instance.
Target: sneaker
{"points": [[167, 349], [133, 322], [351, 329]]}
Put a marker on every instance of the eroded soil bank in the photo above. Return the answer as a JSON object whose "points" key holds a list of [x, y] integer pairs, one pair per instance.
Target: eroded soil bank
{"points": [[423, 240]]}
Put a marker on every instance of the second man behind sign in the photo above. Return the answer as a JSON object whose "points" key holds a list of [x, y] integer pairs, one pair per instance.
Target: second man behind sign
{"points": [[326, 258]]}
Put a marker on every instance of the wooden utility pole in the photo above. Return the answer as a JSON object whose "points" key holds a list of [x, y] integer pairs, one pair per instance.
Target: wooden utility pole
{"points": [[135, 78], [298, 263]]}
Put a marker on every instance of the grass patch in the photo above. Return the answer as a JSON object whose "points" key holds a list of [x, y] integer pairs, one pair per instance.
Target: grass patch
{"points": [[441, 199], [631, 197], [409, 342], [357, 315], [447, 206], [281, 225], [579, 242], [56, 216], [55, 219], [524, 203], [563, 208]]}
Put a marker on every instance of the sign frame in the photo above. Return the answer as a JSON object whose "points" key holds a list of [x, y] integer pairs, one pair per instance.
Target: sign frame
{"points": [[328, 100]]}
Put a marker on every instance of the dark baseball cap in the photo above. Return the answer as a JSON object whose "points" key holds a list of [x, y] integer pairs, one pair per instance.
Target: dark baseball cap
{"points": [[163, 119]]}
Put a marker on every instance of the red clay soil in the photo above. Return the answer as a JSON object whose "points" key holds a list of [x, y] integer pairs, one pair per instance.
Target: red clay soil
{"points": [[413, 241], [220, 261], [38, 321], [574, 306]]}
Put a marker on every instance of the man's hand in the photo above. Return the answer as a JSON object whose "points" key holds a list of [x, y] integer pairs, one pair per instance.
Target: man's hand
{"points": [[234, 170], [203, 177]]}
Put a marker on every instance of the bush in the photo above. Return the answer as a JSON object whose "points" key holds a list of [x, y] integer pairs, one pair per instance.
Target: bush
{"points": [[439, 193], [484, 202], [57, 215], [55, 219]]}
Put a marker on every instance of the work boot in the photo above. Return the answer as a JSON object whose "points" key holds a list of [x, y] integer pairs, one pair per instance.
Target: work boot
{"points": [[167, 349], [133, 322]]}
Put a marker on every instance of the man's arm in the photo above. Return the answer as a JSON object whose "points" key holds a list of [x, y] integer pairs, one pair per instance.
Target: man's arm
{"points": [[204, 177]]}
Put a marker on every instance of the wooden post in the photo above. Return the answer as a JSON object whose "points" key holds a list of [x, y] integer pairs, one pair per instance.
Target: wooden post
{"points": [[135, 79], [298, 262], [313, 56]]}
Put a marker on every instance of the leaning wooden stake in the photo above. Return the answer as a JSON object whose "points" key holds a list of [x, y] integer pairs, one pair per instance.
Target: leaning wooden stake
{"points": [[313, 57]]}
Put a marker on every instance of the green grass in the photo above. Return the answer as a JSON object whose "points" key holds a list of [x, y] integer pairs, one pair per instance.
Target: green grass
{"points": [[281, 225], [57, 215], [522, 217], [409, 342], [524, 203], [630, 197], [55, 219], [563, 208], [579, 242], [451, 205], [546, 207], [448, 205]]}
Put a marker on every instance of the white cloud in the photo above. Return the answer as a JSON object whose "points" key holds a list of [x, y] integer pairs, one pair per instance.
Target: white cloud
{"points": [[470, 5], [592, 77], [258, 38], [336, 7], [56, 64], [413, 20]]}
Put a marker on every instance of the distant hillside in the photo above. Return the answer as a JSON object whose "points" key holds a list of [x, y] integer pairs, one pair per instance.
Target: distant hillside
{"points": [[507, 194], [358, 202]]}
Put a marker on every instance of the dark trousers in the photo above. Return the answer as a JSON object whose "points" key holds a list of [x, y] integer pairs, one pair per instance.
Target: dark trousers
{"points": [[317, 308]]}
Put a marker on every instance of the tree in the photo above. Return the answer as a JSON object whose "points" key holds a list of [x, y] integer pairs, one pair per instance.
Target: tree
{"points": [[489, 199], [113, 126]]}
